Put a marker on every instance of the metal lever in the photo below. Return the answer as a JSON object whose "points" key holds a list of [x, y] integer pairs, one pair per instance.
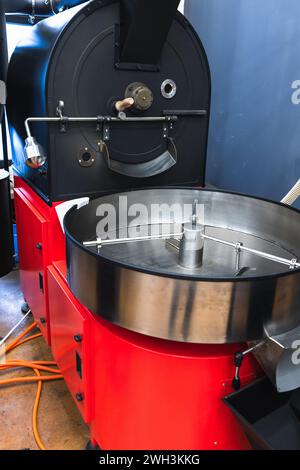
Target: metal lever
{"points": [[122, 105], [194, 214], [185, 112], [238, 362]]}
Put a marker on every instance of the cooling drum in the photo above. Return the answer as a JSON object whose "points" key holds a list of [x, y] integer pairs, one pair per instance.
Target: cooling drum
{"points": [[246, 287]]}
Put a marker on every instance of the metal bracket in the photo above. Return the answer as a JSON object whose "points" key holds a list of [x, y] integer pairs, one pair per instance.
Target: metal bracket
{"points": [[99, 123], [106, 131], [60, 114], [165, 131]]}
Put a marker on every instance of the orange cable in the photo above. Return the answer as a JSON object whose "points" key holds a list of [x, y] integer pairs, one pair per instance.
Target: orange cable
{"points": [[27, 364], [25, 332], [9, 348], [35, 413], [49, 363], [37, 366], [44, 378]]}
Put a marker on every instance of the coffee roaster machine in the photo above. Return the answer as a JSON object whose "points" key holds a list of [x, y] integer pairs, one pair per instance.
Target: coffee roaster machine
{"points": [[165, 336]]}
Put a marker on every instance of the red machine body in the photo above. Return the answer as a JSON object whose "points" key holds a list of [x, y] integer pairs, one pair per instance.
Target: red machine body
{"points": [[134, 391]]}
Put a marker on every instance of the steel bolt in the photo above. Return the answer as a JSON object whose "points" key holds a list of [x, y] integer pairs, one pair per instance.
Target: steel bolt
{"points": [[79, 397]]}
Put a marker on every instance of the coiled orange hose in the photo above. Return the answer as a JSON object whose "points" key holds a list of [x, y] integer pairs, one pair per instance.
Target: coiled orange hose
{"points": [[38, 335], [37, 367]]}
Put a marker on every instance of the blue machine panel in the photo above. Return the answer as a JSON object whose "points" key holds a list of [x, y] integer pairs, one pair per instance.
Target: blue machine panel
{"points": [[253, 47]]}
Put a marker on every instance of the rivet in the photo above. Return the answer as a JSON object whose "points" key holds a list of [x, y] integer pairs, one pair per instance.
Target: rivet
{"points": [[79, 397]]}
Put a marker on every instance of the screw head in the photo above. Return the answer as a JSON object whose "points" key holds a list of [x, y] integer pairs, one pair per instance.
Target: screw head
{"points": [[79, 397], [78, 338]]}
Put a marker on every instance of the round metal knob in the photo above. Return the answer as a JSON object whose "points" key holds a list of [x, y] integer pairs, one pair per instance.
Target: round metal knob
{"points": [[141, 94]]}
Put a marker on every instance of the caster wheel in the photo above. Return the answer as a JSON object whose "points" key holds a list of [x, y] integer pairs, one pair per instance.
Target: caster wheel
{"points": [[25, 308], [90, 446]]}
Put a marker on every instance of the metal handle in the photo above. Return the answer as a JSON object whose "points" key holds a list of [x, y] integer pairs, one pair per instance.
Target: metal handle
{"points": [[122, 105]]}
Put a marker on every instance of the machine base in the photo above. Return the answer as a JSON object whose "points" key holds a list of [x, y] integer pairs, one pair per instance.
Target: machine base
{"points": [[134, 391]]}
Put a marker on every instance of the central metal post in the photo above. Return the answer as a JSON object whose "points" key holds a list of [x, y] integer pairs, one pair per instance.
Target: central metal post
{"points": [[191, 246]]}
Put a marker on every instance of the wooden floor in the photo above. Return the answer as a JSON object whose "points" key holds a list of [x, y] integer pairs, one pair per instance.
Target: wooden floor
{"points": [[60, 424]]}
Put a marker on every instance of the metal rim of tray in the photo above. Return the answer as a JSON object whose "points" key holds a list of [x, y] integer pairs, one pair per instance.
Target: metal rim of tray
{"points": [[180, 276]]}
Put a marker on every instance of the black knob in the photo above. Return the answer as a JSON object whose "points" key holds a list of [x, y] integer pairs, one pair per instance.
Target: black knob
{"points": [[78, 338], [79, 397], [238, 362], [39, 246], [43, 321], [236, 383], [238, 359]]}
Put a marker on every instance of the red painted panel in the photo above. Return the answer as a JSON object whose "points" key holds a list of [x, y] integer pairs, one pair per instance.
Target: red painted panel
{"points": [[152, 394], [32, 239], [69, 323], [37, 223], [155, 394], [56, 240]]}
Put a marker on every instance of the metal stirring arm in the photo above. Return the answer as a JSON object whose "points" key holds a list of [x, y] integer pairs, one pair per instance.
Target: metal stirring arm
{"points": [[99, 242], [171, 238], [191, 241], [293, 263]]}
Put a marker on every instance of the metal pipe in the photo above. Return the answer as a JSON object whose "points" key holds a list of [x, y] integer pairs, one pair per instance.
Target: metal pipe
{"points": [[97, 119], [38, 7], [31, 7]]}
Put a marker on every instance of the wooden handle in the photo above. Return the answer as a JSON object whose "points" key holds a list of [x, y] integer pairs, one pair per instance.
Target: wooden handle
{"points": [[124, 104]]}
